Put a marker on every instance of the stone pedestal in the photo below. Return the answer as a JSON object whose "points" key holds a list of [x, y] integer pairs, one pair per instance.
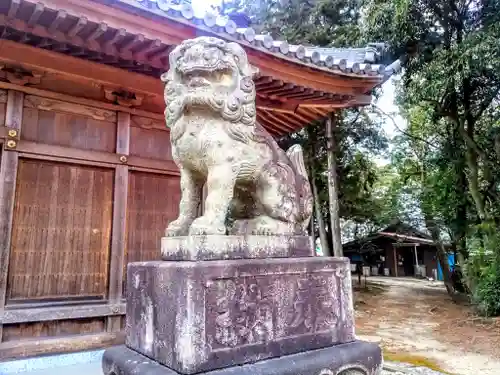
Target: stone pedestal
{"points": [[355, 358], [200, 316], [190, 317]]}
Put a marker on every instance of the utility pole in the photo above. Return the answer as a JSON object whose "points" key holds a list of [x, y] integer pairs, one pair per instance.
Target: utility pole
{"points": [[333, 186]]}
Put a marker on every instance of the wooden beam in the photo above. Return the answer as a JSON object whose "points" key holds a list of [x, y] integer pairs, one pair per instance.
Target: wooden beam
{"points": [[307, 113], [277, 120], [291, 105], [275, 105], [78, 100], [302, 118], [41, 314], [69, 155], [289, 118], [281, 129], [118, 236], [137, 162], [58, 345], [77, 69], [269, 126], [8, 179]]}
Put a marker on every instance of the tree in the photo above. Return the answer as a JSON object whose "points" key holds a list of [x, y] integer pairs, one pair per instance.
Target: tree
{"points": [[450, 95]]}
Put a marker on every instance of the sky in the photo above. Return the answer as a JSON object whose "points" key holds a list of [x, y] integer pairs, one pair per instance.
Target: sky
{"points": [[386, 103]]}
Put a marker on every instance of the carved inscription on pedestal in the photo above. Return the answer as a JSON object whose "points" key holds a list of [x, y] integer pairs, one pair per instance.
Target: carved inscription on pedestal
{"points": [[264, 308], [243, 312], [315, 306]]}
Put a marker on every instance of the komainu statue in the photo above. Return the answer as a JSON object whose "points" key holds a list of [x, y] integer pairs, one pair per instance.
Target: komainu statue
{"points": [[253, 187]]}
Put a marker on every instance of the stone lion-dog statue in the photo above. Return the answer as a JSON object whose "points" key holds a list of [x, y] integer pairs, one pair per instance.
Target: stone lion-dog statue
{"points": [[253, 186]]}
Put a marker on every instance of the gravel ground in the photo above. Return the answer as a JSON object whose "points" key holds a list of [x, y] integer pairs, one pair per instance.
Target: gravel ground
{"points": [[416, 318]]}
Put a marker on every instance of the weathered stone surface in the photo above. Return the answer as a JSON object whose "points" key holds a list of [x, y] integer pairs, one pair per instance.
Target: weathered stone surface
{"points": [[234, 247], [199, 316], [355, 358], [253, 186]]}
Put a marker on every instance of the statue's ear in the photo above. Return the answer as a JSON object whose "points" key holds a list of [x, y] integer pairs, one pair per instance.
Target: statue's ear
{"points": [[173, 58], [239, 53]]}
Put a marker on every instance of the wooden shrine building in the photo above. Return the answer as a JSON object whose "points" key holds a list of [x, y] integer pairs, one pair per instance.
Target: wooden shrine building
{"points": [[87, 183]]}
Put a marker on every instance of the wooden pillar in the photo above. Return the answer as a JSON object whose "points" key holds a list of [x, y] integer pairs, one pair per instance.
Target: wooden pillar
{"points": [[333, 188], [395, 260], [416, 254], [8, 177], [118, 237]]}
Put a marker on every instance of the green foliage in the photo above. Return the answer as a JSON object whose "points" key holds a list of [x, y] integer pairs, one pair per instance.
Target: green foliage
{"points": [[316, 22], [483, 269], [450, 151]]}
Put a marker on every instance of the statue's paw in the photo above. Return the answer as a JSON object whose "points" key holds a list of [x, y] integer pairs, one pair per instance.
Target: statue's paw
{"points": [[202, 226], [176, 229]]}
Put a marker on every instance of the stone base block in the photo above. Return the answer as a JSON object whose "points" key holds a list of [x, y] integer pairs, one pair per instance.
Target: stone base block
{"points": [[200, 316], [355, 358], [216, 247]]}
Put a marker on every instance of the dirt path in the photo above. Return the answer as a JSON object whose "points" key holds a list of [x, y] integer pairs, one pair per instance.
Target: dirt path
{"points": [[417, 317]]}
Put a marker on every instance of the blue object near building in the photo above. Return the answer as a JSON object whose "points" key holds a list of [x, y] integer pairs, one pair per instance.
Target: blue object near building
{"points": [[356, 258], [451, 264]]}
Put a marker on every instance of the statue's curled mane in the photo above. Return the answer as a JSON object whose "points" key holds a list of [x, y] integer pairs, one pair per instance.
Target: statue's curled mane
{"points": [[237, 106]]}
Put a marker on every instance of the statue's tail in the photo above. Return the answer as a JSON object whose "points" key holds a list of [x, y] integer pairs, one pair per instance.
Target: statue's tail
{"points": [[296, 156]]}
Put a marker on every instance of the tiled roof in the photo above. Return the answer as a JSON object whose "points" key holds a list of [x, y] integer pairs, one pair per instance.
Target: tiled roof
{"points": [[357, 61]]}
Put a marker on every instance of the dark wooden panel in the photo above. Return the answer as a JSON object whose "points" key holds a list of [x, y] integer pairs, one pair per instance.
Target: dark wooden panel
{"points": [[3, 104], [61, 232], [149, 139], [58, 328], [153, 201], [57, 124]]}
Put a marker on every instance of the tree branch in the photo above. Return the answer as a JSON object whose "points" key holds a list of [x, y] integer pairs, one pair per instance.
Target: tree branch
{"points": [[486, 103], [401, 130]]}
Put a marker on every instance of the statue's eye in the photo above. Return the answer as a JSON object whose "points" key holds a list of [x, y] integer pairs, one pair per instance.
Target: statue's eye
{"points": [[206, 55]]}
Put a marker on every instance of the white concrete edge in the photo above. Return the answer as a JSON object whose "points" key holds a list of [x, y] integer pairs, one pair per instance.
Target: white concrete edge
{"points": [[21, 366]]}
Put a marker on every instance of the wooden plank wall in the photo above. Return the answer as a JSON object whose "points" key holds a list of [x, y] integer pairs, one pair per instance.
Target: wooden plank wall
{"points": [[84, 189]]}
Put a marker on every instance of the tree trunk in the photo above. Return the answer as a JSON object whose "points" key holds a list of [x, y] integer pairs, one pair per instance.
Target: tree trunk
{"points": [[319, 217], [333, 187], [441, 253], [474, 184], [436, 238]]}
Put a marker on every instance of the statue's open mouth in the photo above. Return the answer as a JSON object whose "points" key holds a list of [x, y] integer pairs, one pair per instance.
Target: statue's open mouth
{"points": [[197, 77]]}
